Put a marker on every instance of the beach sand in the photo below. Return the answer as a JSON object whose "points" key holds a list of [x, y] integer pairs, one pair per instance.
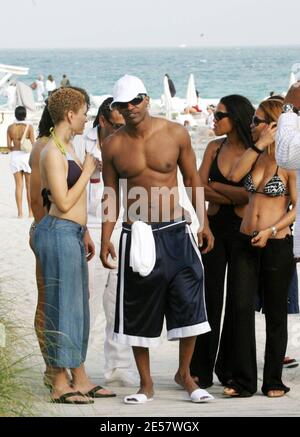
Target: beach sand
{"points": [[17, 266]]}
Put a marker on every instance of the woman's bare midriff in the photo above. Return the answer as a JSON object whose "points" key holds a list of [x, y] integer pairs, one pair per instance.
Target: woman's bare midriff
{"points": [[75, 214], [264, 212]]}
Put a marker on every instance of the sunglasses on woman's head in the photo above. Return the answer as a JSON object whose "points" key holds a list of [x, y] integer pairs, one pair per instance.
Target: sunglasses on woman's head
{"points": [[256, 121], [134, 102], [219, 115]]}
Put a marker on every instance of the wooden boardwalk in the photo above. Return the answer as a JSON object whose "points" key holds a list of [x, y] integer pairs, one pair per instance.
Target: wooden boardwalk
{"points": [[169, 399]]}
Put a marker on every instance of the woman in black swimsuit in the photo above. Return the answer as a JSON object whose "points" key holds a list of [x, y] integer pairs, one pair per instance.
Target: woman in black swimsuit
{"points": [[227, 202], [264, 248]]}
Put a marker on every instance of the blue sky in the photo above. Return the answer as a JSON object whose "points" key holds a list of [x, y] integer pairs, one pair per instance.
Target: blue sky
{"points": [[149, 23]]}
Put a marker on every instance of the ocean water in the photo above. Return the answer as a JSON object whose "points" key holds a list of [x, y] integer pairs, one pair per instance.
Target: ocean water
{"points": [[252, 72]]}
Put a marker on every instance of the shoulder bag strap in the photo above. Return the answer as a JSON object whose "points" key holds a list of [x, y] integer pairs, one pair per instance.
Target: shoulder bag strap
{"points": [[24, 134]]}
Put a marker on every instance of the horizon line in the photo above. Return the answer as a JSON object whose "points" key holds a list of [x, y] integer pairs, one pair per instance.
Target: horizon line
{"points": [[154, 47]]}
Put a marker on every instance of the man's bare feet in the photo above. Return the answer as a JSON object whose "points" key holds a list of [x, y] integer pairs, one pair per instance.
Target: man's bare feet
{"points": [[147, 390], [186, 382], [144, 394]]}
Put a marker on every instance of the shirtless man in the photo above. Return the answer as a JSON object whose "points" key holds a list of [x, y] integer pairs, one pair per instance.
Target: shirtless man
{"points": [[144, 154]]}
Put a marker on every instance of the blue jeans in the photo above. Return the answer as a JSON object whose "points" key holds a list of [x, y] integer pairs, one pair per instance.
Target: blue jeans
{"points": [[58, 245]]}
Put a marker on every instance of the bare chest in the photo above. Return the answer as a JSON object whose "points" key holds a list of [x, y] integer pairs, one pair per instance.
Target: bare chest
{"points": [[136, 158]]}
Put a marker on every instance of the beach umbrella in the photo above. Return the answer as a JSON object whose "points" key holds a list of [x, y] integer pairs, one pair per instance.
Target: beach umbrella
{"points": [[292, 79], [191, 95], [167, 98]]}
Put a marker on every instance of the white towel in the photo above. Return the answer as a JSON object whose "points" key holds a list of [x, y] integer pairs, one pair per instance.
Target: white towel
{"points": [[142, 250]]}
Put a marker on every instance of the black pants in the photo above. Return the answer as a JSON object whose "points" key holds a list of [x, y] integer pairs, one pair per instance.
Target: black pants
{"points": [[274, 264], [225, 227]]}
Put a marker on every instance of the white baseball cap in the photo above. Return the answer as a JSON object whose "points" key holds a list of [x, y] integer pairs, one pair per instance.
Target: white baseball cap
{"points": [[127, 88]]}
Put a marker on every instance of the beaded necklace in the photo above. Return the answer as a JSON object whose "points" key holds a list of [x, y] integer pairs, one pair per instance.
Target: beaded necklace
{"points": [[57, 142]]}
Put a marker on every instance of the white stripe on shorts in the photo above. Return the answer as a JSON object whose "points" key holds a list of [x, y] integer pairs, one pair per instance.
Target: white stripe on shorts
{"points": [[121, 299], [132, 340], [189, 331]]}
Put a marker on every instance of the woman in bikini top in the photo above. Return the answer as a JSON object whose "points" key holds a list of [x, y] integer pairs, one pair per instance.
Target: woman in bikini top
{"points": [[263, 252], [270, 187]]}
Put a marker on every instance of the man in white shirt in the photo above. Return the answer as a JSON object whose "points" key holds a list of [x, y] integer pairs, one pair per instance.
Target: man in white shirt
{"points": [[11, 92], [118, 358], [288, 146], [40, 88]]}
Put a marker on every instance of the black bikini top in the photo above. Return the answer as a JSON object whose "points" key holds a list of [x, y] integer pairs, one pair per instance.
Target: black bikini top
{"points": [[215, 174], [74, 173], [273, 188]]}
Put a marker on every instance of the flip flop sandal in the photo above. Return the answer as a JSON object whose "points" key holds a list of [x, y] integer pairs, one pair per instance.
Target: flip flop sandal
{"points": [[93, 393], [63, 399]]}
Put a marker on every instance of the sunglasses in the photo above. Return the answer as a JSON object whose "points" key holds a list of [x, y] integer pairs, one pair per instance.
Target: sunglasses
{"points": [[134, 102], [219, 115], [256, 121]]}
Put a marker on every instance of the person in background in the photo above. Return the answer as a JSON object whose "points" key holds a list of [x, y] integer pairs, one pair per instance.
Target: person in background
{"points": [[50, 84], [262, 251], [39, 87], [287, 150], [210, 116], [171, 86], [19, 160], [117, 357], [11, 93], [287, 154], [227, 202], [194, 109], [39, 212], [65, 81]]}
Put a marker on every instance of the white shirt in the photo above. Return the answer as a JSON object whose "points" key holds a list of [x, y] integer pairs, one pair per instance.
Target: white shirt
{"points": [[287, 154], [40, 89], [11, 92], [210, 120], [50, 85]]}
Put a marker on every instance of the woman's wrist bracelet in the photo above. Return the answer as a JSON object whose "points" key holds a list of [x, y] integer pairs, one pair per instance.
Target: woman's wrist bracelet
{"points": [[256, 149]]}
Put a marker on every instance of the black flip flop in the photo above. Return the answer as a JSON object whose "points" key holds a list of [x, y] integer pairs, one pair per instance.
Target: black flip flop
{"points": [[93, 393], [63, 399]]}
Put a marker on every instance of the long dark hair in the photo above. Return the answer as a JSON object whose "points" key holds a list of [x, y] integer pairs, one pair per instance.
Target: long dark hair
{"points": [[240, 111], [104, 109], [45, 123]]}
